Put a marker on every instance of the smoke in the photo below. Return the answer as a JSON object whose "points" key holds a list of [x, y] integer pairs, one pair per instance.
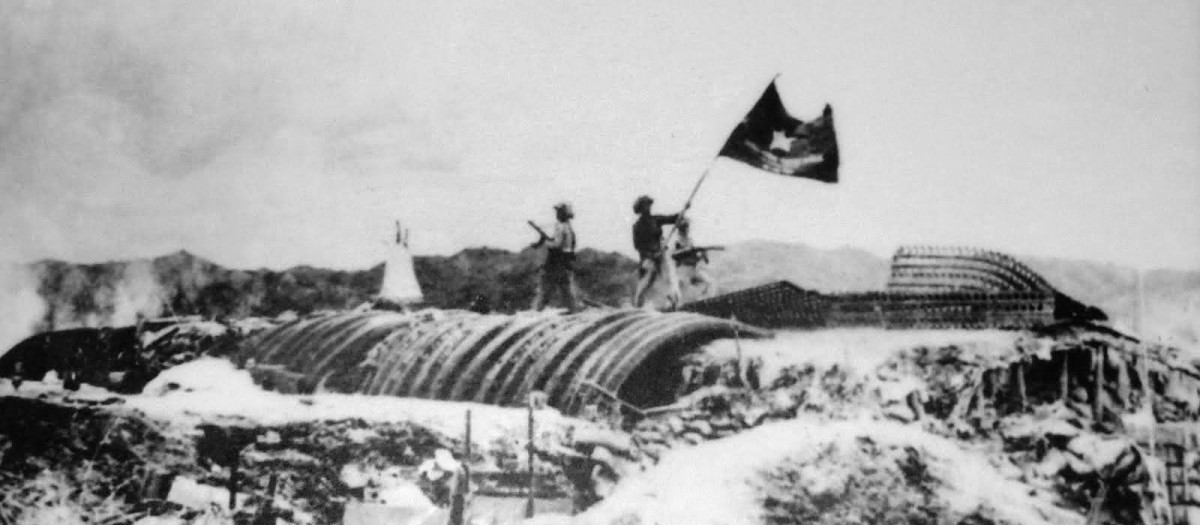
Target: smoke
{"points": [[80, 297], [21, 308], [137, 294]]}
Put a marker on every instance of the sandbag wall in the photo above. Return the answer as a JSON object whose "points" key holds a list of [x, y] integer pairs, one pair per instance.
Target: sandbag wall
{"points": [[497, 359]]}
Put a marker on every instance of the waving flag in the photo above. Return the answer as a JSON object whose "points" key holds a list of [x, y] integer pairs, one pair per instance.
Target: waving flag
{"points": [[770, 139]]}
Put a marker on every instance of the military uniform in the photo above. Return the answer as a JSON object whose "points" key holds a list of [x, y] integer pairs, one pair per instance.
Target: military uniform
{"points": [[558, 272]]}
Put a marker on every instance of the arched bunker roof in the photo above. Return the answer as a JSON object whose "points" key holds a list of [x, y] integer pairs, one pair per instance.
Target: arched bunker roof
{"points": [[496, 359]]}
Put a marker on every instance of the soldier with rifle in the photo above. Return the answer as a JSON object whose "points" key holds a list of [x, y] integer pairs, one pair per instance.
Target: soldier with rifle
{"points": [[558, 272], [688, 258]]}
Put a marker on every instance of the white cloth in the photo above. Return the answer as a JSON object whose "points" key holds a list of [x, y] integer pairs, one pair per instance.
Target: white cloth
{"points": [[400, 278]]}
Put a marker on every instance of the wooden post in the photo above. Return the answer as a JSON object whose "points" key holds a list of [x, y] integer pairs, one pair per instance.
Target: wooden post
{"points": [[1097, 383], [989, 385], [998, 384], [462, 485], [529, 502], [467, 446], [1064, 379], [737, 345], [268, 510], [737, 342], [233, 481], [1021, 385], [1123, 390]]}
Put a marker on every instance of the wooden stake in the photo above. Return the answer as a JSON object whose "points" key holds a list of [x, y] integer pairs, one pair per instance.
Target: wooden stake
{"points": [[268, 511], [998, 384], [467, 446], [462, 486], [233, 478], [529, 503], [1064, 380], [1021, 385], [1097, 383], [989, 385], [737, 344]]}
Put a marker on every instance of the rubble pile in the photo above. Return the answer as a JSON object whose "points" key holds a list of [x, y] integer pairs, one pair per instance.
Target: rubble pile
{"points": [[710, 413], [720, 411], [1108, 476], [896, 486], [307, 460], [313, 471], [1090, 418], [85, 458], [1083, 415], [1092, 422]]}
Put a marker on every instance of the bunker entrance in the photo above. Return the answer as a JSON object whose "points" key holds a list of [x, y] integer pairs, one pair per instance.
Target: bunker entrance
{"points": [[658, 381]]}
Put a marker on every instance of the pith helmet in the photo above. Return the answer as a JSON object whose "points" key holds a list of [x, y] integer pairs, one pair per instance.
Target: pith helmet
{"points": [[642, 203]]}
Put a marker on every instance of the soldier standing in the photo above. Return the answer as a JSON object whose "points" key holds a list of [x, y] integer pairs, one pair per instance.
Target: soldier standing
{"points": [[688, 259], [558, 272], [647, 240]]}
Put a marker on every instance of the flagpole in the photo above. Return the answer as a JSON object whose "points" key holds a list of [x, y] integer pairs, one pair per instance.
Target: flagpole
{"points": [[688, 203], [668, 252], [695, 189]]}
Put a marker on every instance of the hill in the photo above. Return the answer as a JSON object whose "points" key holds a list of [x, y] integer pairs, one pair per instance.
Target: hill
{"points": [[184, 283], [756, 262]]}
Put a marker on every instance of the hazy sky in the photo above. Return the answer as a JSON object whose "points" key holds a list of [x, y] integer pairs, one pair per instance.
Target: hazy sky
{"points": [[277, 133]]}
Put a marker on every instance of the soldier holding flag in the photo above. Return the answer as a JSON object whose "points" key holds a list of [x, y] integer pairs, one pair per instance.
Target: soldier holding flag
{"points": [[768, 138], [647, 240]]}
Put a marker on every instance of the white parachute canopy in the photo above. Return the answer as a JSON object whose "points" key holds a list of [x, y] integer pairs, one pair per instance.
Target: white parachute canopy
{"points": [[399, 277]]}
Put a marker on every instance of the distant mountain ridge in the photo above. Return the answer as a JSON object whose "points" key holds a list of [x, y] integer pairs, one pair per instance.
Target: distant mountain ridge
{"points": [[751, 263], [184, 283]]}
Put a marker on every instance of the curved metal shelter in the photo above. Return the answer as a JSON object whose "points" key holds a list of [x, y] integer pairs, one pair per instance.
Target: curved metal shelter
{"points": [[497, 359], [933, 269], [930, 287]]}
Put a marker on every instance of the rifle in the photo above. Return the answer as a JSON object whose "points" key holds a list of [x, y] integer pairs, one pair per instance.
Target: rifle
{"points": [[702, 251], [541, 233]]}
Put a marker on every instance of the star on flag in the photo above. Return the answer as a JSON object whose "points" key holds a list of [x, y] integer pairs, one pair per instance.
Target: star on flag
{"points": [[769, 138]]}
